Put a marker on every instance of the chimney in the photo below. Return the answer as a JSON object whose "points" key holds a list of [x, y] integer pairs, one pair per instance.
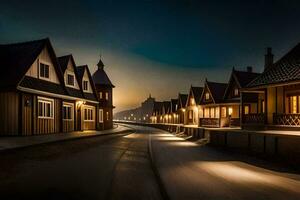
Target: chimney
{"points": [[269, 58], [249, 69]]}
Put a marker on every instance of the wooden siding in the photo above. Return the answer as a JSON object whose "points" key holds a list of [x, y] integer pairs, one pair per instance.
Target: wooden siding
{"points": [[27, 109], [68, 125], [9, 115]]}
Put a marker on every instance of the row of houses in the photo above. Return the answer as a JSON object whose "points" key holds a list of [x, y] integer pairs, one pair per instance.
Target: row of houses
{"points": [[41, 93], [250, 100]]}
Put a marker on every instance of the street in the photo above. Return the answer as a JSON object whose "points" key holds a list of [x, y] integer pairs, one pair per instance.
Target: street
{"points": [[119, 167]]}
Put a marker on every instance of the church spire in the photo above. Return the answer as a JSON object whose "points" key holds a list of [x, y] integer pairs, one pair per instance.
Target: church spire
{"points": [[100, 64]]}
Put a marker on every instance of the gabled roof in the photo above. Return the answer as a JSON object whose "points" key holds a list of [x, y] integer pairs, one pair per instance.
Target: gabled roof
{"points": [[216, 90], [174, 102], [63, 63], [241, 78], [197, 92], [158, 106], [16, 59], [167, 106], [182, 99], [287, 69], [80, 70], [100, 77]]}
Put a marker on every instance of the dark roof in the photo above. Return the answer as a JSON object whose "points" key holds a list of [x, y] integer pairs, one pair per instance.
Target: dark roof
{"points": [[174, 102], [158, 106], [244, 78], [80, 70], [183, 99], [284, 70], [167, 106], [74, 92], [17, 58], [197, 91], [63, 62], [217, 90], [100, 77], [42, 85]]}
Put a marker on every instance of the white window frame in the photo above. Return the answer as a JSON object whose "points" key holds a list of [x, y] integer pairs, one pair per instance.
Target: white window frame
{"points": [[45, 101], [87, 85], [39, 70], [70, 105], [89, 118], [101, 115], [236, 92], [207, 96], [71, 74], [106, 95], [101, 95]]}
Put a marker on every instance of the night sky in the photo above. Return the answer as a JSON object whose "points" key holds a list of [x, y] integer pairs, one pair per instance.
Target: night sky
{"points": [[155, 46]]}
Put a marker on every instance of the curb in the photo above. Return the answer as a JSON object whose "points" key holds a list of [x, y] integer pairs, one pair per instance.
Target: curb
{"points": [[65, 140], [157, 175]]}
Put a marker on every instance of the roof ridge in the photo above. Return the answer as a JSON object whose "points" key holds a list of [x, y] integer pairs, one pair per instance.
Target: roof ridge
{"points": [[26, 42]]}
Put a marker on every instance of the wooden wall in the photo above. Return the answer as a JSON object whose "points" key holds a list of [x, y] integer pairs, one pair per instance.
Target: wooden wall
{"points": [[9, 113], [68, 125]]}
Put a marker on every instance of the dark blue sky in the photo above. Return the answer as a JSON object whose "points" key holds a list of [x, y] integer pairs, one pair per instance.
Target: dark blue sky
{"points": [[177, 34]]}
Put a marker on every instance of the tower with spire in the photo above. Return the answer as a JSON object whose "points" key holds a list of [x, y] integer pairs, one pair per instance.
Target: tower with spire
{"points": [[104, 88]]}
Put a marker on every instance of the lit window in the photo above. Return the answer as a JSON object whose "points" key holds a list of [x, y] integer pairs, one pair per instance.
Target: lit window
{"points": [[217, 112], [100, 95], [206, 96], [263, 106], [88, 114], [107, 116], [45, 108], [70, 79], [44, 71], [223, 110], [206, 112], [85, 85], [293, 100], [106, 95], [192, 101], [236, 92], [230, 110], [67, 111], [246, 110], [101, 115]]}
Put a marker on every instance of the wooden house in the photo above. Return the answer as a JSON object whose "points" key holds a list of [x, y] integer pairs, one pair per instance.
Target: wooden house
{"points": [[104, 90], [181, 109], [193, 108], [211, 101], [157, 117], [166, 112], [43, 94], [231, 106], [277, 89], [87, 117]]}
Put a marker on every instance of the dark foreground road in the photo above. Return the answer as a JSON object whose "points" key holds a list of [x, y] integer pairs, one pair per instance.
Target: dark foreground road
{"points": [[119, 167]]}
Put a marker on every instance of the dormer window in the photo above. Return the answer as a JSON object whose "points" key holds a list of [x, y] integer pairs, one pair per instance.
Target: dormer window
{"points": [[70, 80], [85, 85], [236, 92], [44, 71], [206, 96]]}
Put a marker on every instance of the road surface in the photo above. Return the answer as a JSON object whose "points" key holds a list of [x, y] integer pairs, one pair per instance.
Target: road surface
{"points": [[120, 167]]}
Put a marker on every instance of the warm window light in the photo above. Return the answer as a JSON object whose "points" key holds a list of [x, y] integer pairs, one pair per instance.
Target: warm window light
{"points": [[170, 116], [230, 110], [144, 118], [125, 118], [183, 110], [131, 115], [192, 101]]}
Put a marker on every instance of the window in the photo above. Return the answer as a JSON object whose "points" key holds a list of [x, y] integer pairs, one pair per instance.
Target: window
{"points": [[70, 79], [44, 71], [192, 101], [206, 112], [88, 114], [107, 116], [223, 112], [230, 110], [206, 96], [67, 111], [101, 115], [100, 95], [217, 112], [85, 85], [106, 95], [293, 104], [246, 110], [236, 92], [212, 112], [190, 114], [45, 108]]}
